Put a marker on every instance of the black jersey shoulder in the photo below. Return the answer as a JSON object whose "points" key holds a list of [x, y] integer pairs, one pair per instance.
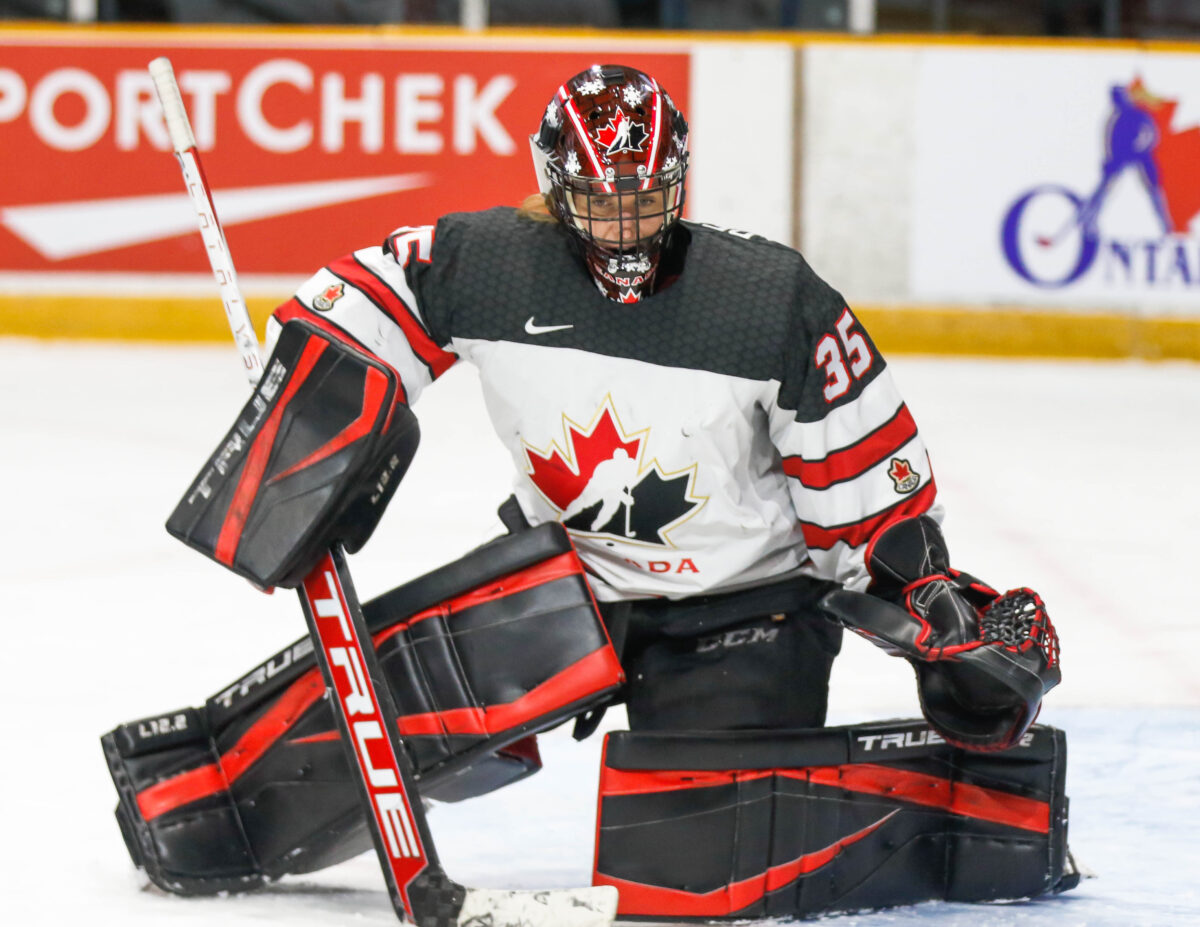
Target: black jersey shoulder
{"points": [[743, 306]]}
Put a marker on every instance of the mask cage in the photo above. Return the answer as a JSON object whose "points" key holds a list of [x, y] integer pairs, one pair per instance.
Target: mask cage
{"points": [[634, 213]]}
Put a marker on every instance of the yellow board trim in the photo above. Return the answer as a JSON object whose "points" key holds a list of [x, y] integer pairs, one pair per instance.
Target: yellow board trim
{"points": [[1021, 332], [42, 32], [126, 318], [994, 332]]}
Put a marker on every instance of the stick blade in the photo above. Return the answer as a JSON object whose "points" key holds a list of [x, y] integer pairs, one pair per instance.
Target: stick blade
{"points": [[566, 907]]}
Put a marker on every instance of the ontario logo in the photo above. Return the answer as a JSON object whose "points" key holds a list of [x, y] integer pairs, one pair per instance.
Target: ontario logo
{"points": [[603, 483], [1052, 235]]}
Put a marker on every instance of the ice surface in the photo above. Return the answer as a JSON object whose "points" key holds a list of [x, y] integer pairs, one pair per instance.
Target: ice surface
{"points": [[1076, 478]]}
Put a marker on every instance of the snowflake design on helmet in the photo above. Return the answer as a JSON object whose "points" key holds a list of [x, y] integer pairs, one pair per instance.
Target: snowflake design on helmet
{"points": [[613, 139], [552, 117]]}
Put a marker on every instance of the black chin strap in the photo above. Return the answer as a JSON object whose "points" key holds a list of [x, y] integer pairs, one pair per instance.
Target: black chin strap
{"points": [[674, 256]]}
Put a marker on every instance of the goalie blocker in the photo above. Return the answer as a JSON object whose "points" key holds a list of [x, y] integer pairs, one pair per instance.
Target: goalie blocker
{"points": [[804, 822], [479, 655], [312, 461]]}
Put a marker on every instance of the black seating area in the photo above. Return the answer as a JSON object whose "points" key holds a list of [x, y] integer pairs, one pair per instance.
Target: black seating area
{"points": [[1128, 19]]}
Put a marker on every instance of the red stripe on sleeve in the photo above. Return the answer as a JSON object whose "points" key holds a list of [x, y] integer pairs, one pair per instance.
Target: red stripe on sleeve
{"points": [[852, 461], [818, 537], [354, 273]]}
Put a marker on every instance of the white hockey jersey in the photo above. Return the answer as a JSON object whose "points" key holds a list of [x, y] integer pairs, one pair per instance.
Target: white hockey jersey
{"points": [[734, 428]]}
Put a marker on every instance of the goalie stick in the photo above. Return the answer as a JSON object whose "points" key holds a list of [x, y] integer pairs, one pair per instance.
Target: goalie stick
{"points": [[366, 715]]}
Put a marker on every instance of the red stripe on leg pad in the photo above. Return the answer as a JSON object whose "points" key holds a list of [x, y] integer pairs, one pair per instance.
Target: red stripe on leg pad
{"points": [[597, 671], [199, 783], [638, 898], [959, 798], [558, 567]]}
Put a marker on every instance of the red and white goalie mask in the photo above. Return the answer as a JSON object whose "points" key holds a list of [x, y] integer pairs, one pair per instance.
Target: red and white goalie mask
{"points": [[611, 155]]}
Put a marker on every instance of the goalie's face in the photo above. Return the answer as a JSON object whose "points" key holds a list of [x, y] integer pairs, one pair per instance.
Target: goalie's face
{"points": [[621, 220]]}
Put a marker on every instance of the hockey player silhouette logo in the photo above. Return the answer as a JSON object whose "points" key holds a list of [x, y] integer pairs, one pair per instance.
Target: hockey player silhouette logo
{"points": [[610, 486], [622, 134], [602, 483], [1138, 137]]}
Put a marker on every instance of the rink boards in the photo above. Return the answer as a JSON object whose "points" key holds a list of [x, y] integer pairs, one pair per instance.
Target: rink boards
{"points": [[966, 195]]}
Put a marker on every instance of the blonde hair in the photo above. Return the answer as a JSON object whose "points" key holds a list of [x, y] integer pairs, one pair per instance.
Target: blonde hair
{"points": [[536, 206]]}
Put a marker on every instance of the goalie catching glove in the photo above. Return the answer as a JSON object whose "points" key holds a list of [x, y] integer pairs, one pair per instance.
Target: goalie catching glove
{"points": [[983, 660], [312, 460]]}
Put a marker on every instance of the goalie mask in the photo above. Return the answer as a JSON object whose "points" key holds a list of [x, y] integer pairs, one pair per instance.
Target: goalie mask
{"points": [[611, 155]]}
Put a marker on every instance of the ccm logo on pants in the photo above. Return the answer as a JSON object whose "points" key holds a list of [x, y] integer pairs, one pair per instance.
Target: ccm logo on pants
{"points": [[739, 638]]}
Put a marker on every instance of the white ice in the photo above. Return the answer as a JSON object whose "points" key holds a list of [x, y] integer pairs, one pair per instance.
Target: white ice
{"points": [[1079, 479]]}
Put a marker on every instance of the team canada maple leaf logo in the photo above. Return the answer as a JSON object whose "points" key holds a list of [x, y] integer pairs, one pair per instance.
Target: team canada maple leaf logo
{"points": [[903, 475], [602, 483], [622, 134], [329, 296]]}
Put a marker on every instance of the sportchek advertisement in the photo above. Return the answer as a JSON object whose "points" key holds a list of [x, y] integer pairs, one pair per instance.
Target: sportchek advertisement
{"points": [[313, 147], [1057, 177]]}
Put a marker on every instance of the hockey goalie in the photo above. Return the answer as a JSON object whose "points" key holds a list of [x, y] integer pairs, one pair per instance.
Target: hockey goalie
{"points": [[715, 476]]}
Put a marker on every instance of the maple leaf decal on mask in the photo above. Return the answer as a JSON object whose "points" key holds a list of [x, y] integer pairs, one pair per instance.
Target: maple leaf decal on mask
{"points": [[622, 134]]}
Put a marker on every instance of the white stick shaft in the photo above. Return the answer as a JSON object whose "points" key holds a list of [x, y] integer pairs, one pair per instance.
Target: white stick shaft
{"points": [[174, 113], [221, 262], [215, 245]]}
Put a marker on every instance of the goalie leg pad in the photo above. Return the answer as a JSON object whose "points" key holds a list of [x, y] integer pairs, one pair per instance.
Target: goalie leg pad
{"points": [[198, 849], [474, 673], [801, 823]]}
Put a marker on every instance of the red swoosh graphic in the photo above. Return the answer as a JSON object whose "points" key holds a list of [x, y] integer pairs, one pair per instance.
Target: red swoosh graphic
{"points": [[637, 898]]}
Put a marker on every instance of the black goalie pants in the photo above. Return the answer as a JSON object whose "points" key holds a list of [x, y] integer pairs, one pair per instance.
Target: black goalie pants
{"points": [[749, 660]]}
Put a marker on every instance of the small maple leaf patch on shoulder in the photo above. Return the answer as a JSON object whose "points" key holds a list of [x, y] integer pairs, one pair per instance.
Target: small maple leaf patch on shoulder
{"points": [[904, 477], [331, 295]]}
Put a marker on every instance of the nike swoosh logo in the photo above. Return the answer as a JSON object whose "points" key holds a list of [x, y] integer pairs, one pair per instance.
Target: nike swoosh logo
{"points": [[543, 329], [58, 231]]}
